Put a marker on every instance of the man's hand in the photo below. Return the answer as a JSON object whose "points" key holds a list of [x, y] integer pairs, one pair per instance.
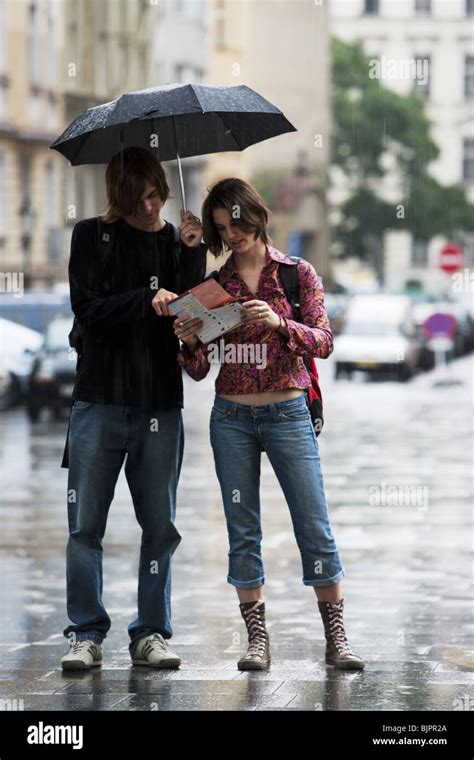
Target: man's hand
{"points": [[160, 301], [190, 229]]}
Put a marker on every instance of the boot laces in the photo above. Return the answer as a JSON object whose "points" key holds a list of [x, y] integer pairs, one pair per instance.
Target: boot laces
{"points": [[256, 631], [336, 630]]}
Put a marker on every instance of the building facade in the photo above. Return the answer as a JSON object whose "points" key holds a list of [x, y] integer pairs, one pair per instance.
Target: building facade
{"points": [[60, 57], [57, 58], [428, 45], [280, 48], [31, 114]]}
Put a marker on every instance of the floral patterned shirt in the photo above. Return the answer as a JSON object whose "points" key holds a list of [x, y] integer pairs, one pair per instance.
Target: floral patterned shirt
{"points": [[254, 358]]}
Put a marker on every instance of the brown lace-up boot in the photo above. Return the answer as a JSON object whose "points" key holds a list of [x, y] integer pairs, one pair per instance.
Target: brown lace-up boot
{"points": [[338, 652], [258, 653]]}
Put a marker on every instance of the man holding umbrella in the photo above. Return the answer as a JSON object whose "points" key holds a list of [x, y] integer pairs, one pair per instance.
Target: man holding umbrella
{"points": [[127, 401]]}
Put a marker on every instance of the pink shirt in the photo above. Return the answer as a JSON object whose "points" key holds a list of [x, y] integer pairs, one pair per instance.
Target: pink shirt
{"points": [[266, 360]]}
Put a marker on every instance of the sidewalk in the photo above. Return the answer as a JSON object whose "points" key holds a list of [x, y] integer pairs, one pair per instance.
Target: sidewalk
{"points": [[408, 584]]}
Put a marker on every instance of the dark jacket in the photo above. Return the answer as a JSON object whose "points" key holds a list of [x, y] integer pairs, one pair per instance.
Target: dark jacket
{"points": [[129, 353]]}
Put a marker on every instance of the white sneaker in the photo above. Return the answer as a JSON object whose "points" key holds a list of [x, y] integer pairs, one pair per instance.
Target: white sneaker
{"points": [[82, 656], [154, 651]]}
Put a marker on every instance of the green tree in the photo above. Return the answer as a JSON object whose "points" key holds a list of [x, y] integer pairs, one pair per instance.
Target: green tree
{"points": [[370, 125]]}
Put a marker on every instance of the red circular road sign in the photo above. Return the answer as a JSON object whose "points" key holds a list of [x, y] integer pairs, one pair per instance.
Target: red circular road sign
{"points": [[440, 325], [451, 258]]}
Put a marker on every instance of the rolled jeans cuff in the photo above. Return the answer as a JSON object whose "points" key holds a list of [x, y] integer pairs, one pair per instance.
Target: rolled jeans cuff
{"points": [[246, 584], [326, 581]]}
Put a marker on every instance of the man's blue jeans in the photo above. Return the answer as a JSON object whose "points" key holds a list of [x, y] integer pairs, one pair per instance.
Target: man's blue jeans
{"points": [[239, 433], [100, 435]]}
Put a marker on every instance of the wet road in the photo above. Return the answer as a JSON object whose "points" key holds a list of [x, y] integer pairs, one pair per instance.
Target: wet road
{"points": [[397, 460]]}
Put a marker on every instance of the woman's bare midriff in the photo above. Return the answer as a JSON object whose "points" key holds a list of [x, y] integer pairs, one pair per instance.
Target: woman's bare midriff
{"points": [[270, 397]]}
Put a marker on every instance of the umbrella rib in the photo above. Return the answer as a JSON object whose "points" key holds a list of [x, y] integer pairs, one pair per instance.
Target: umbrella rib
{"points": [[219, 115]]}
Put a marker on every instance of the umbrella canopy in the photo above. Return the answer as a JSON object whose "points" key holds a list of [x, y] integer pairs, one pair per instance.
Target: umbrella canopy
{"points": [[189, 120]]}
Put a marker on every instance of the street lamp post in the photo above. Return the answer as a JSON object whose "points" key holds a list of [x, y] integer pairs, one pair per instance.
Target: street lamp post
{"points": [[27, 214]]}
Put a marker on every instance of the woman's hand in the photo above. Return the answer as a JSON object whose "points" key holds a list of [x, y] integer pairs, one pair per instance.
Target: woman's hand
{"points": [[160, 301], [185, 330], [261, 313], [190, 229]]}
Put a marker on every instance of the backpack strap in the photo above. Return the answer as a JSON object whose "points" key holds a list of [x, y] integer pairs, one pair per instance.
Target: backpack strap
{"points": [[289, 279], [176, 251], [105, 245]]}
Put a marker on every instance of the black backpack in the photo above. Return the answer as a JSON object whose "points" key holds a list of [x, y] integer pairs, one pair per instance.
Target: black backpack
{"points": [[290, 282], [105, 246]]}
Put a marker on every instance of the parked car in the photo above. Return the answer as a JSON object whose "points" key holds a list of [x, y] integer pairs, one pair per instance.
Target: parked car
{"points": [[35, 309], [18, 346], [379, 337], [53, 375]]}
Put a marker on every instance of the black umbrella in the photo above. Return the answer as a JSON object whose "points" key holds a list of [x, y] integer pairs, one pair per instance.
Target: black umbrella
{"points": [[178, 120]]}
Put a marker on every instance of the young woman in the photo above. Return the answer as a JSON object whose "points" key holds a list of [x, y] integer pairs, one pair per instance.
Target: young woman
{"points": [[264, 409]]}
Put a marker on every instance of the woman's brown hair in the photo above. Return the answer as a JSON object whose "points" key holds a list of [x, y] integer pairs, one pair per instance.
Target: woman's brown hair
{"points": [[125, 178], [244, 205]]}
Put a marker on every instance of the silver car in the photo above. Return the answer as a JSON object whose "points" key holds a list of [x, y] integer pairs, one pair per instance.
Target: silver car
{"points": [[379, 338]]}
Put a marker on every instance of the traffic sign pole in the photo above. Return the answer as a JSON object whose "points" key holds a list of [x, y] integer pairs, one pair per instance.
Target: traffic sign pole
{"points": [[440, 329]]}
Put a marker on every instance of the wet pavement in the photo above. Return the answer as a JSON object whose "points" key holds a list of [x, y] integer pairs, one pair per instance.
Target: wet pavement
{"points": [[397, 461]]}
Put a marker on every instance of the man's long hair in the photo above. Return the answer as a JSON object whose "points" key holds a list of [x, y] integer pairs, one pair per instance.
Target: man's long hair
{"points": [[126, 176]]}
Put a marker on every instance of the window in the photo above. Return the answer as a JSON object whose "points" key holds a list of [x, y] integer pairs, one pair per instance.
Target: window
{"points": [[371, 7], [468, 160], [3, 98], [423, 7], [419, 253], [3, 61], [179, 73], [422, 75], [33, 42], [51, 52], [3, 195], [220, 23], [188, 7], [467, 243], [50, 195], [469, 7], [469, 77], [2, 37]]}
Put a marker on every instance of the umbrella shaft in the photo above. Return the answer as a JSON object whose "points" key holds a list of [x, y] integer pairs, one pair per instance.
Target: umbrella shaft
{"points": [[181, 181]]}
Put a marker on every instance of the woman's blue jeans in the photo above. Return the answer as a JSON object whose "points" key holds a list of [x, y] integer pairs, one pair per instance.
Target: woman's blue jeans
{"points": [[100, 435], [239, 433]]}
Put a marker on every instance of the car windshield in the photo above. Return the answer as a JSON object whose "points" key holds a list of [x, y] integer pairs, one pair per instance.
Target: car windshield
{"points": [[372, 328], [57, 335]]}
